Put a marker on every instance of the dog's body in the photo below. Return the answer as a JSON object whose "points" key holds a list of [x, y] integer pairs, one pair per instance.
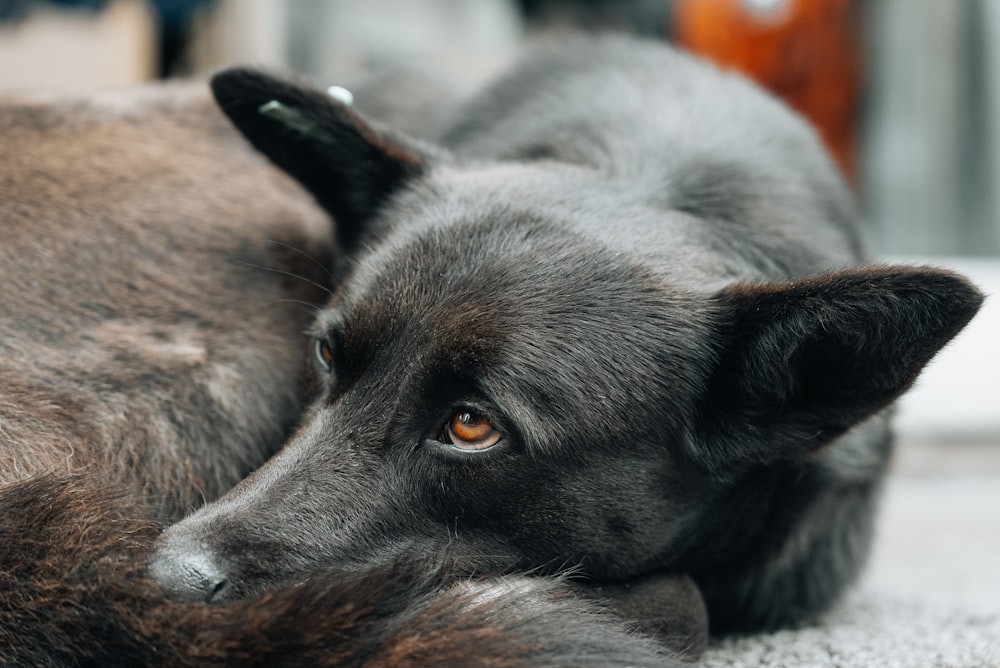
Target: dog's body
{"points": [[604, 318], [157, 277], [148, 331]]}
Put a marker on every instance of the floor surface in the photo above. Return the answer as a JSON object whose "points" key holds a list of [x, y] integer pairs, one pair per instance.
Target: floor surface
{"points": [[931, 594]]}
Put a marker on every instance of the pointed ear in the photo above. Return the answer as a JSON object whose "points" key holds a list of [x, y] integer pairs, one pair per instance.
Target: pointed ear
{"points": [[802, 362], [348, 166]]}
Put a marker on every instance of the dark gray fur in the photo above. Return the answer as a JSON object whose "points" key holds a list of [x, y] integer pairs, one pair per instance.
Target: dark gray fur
{"points": [[156, 277], [641, 270]]}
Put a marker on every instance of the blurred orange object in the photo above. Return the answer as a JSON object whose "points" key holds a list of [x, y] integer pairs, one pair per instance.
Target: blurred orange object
{"points": [[808, 52]]}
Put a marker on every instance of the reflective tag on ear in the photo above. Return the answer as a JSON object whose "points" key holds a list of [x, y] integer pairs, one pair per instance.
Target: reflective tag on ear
{"points": [[287, 116]]}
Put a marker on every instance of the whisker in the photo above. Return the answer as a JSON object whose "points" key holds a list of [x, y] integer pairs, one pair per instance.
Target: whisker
{"points": [[304, 254], [286, 273], [312, 307]]}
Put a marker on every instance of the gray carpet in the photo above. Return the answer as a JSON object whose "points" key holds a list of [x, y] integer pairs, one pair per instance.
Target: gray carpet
{"points": [[931, 595]]}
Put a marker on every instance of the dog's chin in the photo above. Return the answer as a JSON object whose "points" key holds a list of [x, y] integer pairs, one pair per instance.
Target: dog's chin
{"points": [[669, 607]]}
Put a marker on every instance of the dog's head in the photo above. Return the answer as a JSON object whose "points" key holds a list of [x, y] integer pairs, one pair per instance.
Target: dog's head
{"points": [[499, 386]]}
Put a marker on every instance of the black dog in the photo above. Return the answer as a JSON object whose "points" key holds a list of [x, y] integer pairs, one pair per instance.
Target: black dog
{"points": [[607, 319], [151, 332]]}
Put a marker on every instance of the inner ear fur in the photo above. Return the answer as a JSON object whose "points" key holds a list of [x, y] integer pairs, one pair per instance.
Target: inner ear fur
{"points": [[801, 362], [347, 165]]}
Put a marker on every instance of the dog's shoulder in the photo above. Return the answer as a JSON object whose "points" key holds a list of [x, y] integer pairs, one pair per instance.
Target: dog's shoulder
{"points": [[135, 224]]}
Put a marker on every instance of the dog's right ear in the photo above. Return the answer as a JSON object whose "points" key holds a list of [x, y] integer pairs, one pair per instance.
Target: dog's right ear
{"points": [[348, 166]]}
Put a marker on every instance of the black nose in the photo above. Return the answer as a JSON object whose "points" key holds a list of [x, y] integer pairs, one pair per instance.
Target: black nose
{"points": [[192, 574]]}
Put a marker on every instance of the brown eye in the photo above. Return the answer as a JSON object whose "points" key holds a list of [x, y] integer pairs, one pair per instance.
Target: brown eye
{"points": [[470, 431], [324, 354]]}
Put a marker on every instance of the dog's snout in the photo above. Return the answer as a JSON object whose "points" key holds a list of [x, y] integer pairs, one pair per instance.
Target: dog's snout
{"points": [[190, 573]]}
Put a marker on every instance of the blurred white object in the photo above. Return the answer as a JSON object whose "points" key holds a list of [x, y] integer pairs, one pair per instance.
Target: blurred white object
{"points": [[79, 50], [336, 40], [957, 397], [347, 36], [341, 94]]}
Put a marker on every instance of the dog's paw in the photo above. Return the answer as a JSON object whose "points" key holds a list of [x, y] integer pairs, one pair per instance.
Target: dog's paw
{"points": [[669, 607]]}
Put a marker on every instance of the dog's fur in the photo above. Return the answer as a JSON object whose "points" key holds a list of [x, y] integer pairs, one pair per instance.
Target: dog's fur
{"points": [[157, 276], [646, 275], [73, 592], [148, 329]]}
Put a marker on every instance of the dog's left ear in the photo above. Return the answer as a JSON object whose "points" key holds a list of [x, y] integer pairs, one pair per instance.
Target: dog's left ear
{"points": [[347, 165], [803, 361]]}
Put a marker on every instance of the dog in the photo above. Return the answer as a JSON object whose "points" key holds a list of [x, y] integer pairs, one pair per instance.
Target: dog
{"points": [[611, 314], [157, 279]]}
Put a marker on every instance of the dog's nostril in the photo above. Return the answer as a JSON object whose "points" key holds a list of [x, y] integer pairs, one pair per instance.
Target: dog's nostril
{"points": [[189, 574], [217, 590]]}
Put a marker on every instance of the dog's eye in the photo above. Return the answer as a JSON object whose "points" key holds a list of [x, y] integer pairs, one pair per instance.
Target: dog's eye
{"points": [[324, 354], [467, 430]]}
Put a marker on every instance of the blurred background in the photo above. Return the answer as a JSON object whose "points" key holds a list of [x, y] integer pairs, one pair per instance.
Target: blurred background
{"points": [[906, 94]]}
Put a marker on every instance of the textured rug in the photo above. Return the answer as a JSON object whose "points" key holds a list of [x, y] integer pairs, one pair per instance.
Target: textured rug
{"points": [[930, 598], [874, 629]]}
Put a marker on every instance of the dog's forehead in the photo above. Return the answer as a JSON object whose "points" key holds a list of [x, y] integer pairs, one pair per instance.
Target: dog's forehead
{"points": [[505, 265], [541, 316], [494, 233]]}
